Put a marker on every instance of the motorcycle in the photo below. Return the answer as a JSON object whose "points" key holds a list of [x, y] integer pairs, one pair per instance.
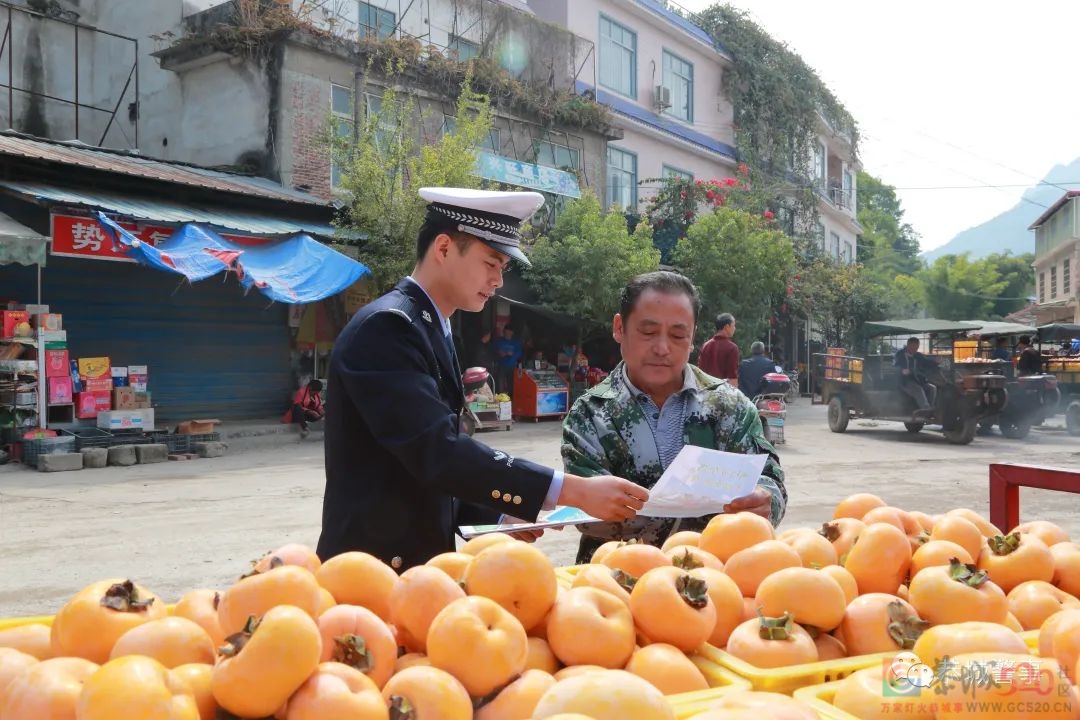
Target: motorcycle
{"points": [[771, 403]]}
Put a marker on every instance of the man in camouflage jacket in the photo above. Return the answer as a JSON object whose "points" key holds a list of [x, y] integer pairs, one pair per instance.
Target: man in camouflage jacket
{"points": [[607, 432]]}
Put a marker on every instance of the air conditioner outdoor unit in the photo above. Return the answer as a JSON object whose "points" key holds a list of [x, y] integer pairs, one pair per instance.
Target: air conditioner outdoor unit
{"points": [[662, 97]]}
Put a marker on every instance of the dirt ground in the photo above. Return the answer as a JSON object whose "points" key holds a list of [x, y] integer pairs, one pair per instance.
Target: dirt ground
{"points": [[177, 526]]}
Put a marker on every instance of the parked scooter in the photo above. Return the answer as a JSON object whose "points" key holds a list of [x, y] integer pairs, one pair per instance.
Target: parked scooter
{"points": [[771, 403]]}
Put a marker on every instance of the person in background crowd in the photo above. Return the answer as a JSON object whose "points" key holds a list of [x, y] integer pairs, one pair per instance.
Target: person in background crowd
{"points": [[1001, 350], [752, 370], [913, 382], [635, 421], [719, 355], [483, 355], [307, 407], [508, 352], [1029, 361]]}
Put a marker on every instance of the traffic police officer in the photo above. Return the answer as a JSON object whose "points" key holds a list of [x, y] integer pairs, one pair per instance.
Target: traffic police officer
{"points": [[401, 472]]}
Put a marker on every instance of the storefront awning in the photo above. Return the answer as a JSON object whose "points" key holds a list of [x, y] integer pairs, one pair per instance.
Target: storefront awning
{"points": [[297, 270], [526, 175], [164, 211], [19, 244]]}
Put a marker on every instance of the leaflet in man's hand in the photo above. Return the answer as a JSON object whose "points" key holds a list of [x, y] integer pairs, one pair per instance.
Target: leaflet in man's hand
{"points": [[558, 517], [701, 481]]}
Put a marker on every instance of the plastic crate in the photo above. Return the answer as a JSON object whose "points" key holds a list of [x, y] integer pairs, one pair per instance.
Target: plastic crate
{"points": [[90, 437], [819, 697], [186, 443], [45, 446], [721, 682], [787, 680]]}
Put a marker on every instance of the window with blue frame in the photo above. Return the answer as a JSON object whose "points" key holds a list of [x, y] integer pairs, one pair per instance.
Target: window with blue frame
{"points": [[622, 179], [679, 80], [342, 110], [462, 48], [557, 156], [618, 58], [673, 172], [375, 22]]}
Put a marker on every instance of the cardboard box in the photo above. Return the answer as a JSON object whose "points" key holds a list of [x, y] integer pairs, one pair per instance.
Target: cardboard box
{"points": [[94, 367], [196, 427], [505, 411], [139, 387], [60, 390], [137, 377], [10, 319], [36, 309], [89, 404], [143, 401], [49, 321], [126, 420], [97, 385], [123, 398], [119, 376], [57, 364], [137, 370]]}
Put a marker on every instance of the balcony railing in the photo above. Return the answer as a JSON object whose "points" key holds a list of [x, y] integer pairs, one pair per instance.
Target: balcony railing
{"points": [[835, 194]]}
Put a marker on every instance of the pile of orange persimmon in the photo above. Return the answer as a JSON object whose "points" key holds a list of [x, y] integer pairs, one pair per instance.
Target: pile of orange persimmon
{"points": [[490, 633]]}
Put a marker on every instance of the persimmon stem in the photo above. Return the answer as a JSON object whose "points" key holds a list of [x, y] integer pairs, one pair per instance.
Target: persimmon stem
{"points": [[236, 642], [904, 626], [967, 574], [352, 651], [830, 531], [775, 628], [1004, 544], [686, 561], [693, 590], [124, 597], [401, 708], [626, 580]]}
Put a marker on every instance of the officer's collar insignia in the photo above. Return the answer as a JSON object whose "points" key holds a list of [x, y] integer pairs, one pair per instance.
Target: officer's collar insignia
{"points": [[426, 315]]}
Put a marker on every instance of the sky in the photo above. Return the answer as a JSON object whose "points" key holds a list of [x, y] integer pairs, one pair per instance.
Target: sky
{"points": [[947, 94]]}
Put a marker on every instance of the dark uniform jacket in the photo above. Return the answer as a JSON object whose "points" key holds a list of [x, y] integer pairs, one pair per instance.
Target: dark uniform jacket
{"points": [[752, 372], [401, 475]]}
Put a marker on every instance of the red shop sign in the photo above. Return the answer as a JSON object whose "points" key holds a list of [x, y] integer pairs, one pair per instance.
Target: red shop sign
{"points": [[74, 236]]}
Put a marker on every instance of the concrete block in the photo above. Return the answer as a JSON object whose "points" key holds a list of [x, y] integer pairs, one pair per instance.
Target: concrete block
{"points": [[95, 457], [122, 455], [210, 449], [147, 454], [60, 462]]}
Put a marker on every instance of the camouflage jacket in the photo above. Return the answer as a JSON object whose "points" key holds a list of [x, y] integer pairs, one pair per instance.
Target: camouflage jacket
{"points": [[606, 432]]}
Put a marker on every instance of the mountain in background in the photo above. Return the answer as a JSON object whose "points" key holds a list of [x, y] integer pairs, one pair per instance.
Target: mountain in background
{"points": [[1009, 230]]}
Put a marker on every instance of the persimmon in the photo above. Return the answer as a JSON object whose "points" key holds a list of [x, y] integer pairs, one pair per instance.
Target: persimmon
{"points": [[265, 663], [588, 626], [518, 699], [607, 579], [667, 668], [1012, 623], [812, 548], [335, 690], [942, 641], [862, 694], [172, 641], [772, 642], [135, 686], [605, 695], [516, 575], [672, 606], [1067, 567], [201, 607], [682, 537], [357, 578], [541, 656], [606, 549], [574, 670], [421, 692], [32, 639], [290, 554], [47, 690], [418, 596], [957, 593], [409, 660], [962, 531], [256, 594], [857, 505], [453, 564], [938, 552], [635, 559], [925, 521], [880, 559], [748, 704], [750, 609], [12, 663], [987, 528], [726, 598], [1014, 558], [688, 557], [844, 578], [478, 642], [878, 623], [886, 514], [1065, 644], [357, 637], [842, 533], [480, 543], [1034, 601], [749, 566], [199, 677], [1050, 533], [326, 601], [88, 624], [727, 534], [829, 647], [1015, 677], [812, 597]]}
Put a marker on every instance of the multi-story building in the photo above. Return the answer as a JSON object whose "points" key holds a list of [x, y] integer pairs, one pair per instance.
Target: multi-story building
{"points": [[833, 172], [1057, 251]]}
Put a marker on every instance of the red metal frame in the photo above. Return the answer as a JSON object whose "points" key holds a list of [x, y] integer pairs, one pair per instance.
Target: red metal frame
{"points": [[1006, 479]]}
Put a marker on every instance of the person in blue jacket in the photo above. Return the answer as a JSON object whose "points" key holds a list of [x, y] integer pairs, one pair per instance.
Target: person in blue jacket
{"points": [[402, 470]]}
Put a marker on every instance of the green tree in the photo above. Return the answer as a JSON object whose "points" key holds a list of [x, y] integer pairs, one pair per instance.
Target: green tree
{"points": [[387, 161], [888, 244], [740, 263], [959, 288], [838, 298], [581, 266], [1019, 279]]}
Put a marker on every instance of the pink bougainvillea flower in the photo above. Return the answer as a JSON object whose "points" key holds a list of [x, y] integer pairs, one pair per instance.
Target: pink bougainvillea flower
{"points": [[768, 215], [744, 168]]}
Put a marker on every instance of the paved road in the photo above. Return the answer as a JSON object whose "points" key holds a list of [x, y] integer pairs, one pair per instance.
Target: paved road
{"points": [[176, 526]]}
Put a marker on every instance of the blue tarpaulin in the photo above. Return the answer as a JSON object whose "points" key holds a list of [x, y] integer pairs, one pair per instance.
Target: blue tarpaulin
{"points": [[294, 271]]}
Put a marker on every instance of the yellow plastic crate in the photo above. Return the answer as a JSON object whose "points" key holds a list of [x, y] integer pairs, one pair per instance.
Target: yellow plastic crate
{"points": [[1031, 637], [8, 623], [789, 679], [721, 682], [819, 697]]}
